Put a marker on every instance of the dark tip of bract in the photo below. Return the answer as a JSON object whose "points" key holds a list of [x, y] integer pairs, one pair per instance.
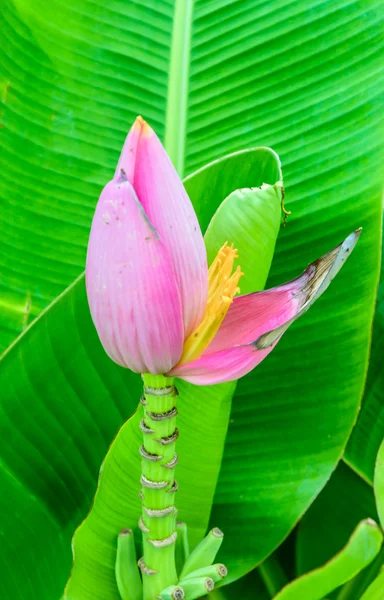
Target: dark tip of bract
{"points": [[122, 177]]}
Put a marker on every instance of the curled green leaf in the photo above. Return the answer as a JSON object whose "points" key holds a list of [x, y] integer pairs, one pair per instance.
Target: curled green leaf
{"points": [[250, 218], [362, 547]]}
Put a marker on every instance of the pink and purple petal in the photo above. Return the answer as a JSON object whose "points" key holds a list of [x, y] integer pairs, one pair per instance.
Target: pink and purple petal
{"points": [[127, 160], [168, 207], [132, 293], [224, 365], [255, 322]]}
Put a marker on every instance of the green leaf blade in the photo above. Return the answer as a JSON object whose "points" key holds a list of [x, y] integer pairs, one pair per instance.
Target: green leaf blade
{"points": [[375, 590], [378, 484], [366, 438], [362, 547], [64, 415], [306, 80], [309, 388], [252, 219]]}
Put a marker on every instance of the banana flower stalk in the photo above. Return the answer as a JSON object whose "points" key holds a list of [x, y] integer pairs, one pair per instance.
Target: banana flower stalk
{"points": [[161, 312]]}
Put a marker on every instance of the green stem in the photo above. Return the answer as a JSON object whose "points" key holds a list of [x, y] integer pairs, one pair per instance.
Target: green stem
{"points": [[158, 521]]}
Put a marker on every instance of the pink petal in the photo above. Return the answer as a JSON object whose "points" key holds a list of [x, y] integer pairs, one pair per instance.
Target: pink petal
{"points": [[225, 365], [168, 207], [255, 322], [132, 294], [252, 315], [127, 160]]}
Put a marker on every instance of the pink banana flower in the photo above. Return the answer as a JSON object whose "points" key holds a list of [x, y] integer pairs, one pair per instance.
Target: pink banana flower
{"points": [[156, 306]]}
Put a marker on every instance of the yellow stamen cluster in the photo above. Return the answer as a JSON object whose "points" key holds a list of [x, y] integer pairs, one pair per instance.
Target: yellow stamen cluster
{"points": [[222, 286]]}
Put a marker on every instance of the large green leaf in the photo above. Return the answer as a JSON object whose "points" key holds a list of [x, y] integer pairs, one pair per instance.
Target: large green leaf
{"points": [[252, 218], [379, 483], [64, 400], [97, 395], [322, 533], [211, 77], [375, 590], [117, 504], [368, 432], [250, 587], [306, 79], [326, 527], [292, 416], [362, 547]]}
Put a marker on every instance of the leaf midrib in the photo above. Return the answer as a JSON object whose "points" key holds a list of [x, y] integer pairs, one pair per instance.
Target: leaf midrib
{"points": [[178, 83]]}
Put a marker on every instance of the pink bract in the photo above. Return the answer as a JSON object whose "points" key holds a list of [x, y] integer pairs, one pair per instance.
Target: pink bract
{"points": [[147, 277]]}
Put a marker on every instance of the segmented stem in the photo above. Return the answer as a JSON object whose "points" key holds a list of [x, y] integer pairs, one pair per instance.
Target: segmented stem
{"points": [[159, 459]]}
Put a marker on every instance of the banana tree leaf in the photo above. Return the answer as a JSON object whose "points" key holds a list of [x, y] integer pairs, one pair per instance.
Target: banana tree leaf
{"points": [[117, 504], [370, 585], [375, 590], [292, 416], [211, 77], [261, 583], [94, 545], [356, 587], [309, 81], [250, 587], [368, 432], [326, 527], [64, 400], [362, 547], [379, 483], [273, 575], [39, 387], [345, 500]]}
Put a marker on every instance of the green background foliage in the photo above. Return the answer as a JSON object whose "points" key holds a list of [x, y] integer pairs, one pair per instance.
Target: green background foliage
{"points": [[304, 79], [367, 436]]}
